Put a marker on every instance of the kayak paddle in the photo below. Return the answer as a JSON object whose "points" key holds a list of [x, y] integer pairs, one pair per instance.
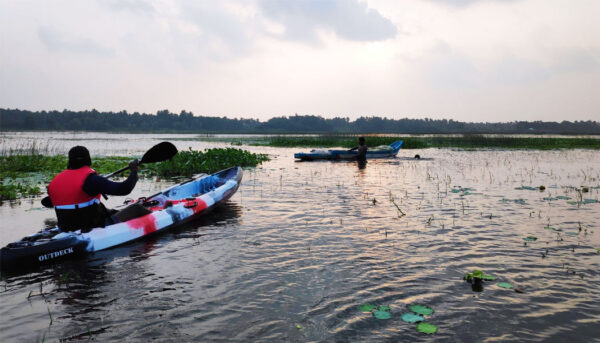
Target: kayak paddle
{"points": [[158, 153]]}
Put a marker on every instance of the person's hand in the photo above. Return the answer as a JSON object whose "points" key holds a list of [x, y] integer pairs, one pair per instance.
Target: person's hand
{"points": [[133, 165]]}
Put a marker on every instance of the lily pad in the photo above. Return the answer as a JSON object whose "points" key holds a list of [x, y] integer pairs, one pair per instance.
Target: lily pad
{"points": [[366, 307], [572, 202], [562, 197], [548, 227], [412, 318], [549, 199], [421, 309], [530, 239], [383, 308], [505, 285], [382, 314], [590, 201], [427, 328], [488, 277], [478, 274]]}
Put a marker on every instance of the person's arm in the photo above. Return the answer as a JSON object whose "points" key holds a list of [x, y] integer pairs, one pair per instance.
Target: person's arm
{"points": [[356, 147], [95, 184]]}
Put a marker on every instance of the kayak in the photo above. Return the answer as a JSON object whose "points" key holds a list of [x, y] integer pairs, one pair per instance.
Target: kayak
{"points": [[382, 151], [171, 207]]}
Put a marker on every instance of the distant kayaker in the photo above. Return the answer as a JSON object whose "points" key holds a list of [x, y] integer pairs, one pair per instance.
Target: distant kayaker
{"points": [[76, 191], [362, 150]]}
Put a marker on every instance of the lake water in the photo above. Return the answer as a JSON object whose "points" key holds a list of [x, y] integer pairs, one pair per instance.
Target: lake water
{"points": [[302, 245]]}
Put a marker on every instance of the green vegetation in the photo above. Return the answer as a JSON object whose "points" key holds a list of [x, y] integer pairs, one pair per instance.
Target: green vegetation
{"points": [[187, 163], [423, 142], [27, 175]]}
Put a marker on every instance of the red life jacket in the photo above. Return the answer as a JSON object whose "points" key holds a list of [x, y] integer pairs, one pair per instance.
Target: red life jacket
{"points": [[67, 187]]}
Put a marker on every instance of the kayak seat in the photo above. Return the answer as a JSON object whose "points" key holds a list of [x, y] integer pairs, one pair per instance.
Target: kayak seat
{"points": [[132, 211], [207, 184]]}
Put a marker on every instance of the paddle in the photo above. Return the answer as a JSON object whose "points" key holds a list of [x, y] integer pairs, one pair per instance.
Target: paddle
{"points": [[158, 153]]}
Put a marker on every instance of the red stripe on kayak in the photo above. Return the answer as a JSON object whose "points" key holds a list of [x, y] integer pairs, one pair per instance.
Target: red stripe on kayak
{"points": [[147, 222], [198, 208]]}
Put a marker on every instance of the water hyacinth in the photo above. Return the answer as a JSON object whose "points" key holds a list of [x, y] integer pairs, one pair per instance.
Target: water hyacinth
{"points": [[505, 285], [26, 175], [427, 328], [421, 309], [187, 163], [412, 318]]}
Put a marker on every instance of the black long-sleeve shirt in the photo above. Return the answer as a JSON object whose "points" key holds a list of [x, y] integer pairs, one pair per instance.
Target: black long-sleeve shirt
{"points": [[95, 184]]}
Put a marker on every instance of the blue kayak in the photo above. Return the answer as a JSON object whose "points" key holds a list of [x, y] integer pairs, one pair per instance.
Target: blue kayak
{"points": [[382, 151], [172, 207]]}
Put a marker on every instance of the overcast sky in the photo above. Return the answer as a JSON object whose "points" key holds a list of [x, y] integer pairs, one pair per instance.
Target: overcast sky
{"points": [[468, 60]]}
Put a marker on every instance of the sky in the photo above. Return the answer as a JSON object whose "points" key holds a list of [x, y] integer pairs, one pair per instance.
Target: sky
{"points": [[467, 60]]}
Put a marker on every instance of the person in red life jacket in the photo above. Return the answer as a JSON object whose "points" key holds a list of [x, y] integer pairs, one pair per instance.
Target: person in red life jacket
{"points": [[76, 191]]}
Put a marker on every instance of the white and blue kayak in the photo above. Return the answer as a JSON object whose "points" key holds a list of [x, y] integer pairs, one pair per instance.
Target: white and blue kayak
{"points": [[172, 207], [382, 151]]}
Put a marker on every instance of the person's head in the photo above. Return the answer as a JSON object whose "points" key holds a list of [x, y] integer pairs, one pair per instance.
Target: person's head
{"points": [[361, 140], [79, 156]]}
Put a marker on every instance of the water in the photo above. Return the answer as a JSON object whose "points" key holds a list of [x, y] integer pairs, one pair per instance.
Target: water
{"points": [[306, 243]]}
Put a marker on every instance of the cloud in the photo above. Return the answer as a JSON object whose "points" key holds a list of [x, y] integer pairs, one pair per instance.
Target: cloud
{"points": [[55, 41], [139, 6], [220, 32], [466, 3], [348, 19]]}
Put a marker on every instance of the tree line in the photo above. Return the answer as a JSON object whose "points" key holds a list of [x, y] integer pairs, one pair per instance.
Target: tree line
{"points": [[165, 121]]}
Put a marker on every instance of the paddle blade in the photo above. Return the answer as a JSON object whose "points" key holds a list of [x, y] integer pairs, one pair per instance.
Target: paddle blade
{"points": [[160, 152]]}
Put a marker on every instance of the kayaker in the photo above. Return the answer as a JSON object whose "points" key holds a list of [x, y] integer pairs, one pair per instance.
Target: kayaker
{"points": [[362, 150], [76, 191]]}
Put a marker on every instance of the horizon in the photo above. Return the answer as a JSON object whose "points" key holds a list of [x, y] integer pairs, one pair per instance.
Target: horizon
{"points": [[463, 60]]}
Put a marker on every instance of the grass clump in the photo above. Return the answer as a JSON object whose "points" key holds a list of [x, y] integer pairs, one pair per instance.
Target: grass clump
{"points": [[187, 163]]}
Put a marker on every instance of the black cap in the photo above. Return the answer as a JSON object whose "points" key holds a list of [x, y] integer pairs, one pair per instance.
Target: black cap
{"points": [[79, 156]]}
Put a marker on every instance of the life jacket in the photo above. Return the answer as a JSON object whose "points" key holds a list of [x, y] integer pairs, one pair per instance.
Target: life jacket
{"points": [[75, 209], [67, 187]]}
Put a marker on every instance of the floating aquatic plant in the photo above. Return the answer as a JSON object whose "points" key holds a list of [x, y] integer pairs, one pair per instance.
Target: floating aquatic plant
{"points": [[530, 239], [366, 307], [412, 318], [478, 274], [590, 201], [379, 312], [505, 285], [421, 309], [562, 197], [382, 314], [427, 328]]}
